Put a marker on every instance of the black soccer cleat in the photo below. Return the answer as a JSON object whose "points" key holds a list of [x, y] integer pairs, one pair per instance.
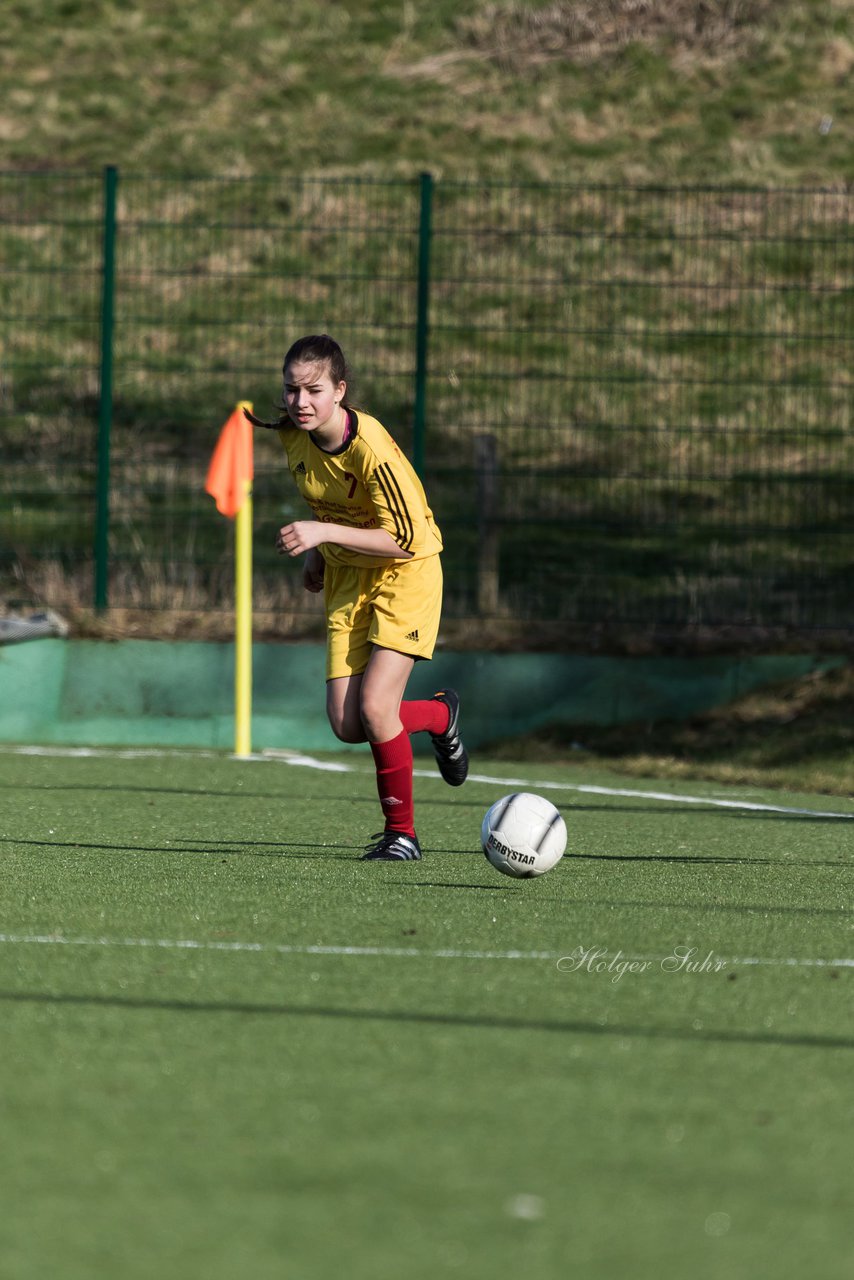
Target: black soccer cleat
{"points": [[451, 756], [393, 846]]}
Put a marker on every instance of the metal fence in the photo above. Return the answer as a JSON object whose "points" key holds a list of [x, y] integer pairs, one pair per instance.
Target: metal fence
{"points": [[631, 407]]}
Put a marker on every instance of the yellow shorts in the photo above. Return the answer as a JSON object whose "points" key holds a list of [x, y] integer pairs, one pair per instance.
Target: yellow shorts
{"points": [[395, 607]]}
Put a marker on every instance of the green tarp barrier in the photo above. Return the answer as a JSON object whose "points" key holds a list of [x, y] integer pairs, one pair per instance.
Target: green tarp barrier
{"points": [[149, 692]]}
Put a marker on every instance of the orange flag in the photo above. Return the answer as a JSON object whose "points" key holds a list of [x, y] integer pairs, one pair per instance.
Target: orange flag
{"points": [[231, 469]]}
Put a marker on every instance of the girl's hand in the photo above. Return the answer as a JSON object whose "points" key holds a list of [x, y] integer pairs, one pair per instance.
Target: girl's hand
{"points": [[312, 571], [302, 535]]}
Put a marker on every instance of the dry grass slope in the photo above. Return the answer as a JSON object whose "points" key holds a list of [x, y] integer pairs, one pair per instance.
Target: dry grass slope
{"points": [[798, 735], [617, 90], [518, 37]]}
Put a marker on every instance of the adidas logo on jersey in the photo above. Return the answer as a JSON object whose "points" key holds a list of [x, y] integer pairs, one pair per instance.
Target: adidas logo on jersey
{"points": [[299, 469], [413, 635]]}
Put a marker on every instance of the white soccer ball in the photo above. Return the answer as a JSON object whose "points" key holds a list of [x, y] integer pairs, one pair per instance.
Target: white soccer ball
{"points": [[523, 835]]}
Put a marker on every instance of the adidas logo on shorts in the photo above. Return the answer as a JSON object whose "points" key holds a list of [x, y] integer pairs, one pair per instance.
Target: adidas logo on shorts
{"points": [[413, 635], [299, 469]]}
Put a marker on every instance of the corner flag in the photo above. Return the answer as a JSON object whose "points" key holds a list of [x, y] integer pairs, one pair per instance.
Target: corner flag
{"points": [[231, 468], [229, 482]]}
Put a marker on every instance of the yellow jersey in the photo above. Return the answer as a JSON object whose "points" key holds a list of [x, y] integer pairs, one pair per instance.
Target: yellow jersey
{"points": [[366, 484]]}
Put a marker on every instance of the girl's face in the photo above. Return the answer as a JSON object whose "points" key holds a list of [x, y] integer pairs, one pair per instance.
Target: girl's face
{"points": [[311, 397]]}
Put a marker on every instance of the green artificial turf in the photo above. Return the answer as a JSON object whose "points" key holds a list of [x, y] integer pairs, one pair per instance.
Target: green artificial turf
{"points": [[232, 1049]]}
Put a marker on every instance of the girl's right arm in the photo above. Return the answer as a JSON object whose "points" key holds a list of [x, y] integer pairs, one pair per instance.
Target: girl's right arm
{"points": [[306, 535]]}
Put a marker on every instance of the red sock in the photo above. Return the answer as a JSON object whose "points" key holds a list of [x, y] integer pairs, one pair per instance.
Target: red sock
{"points": [[393, 760], [430, 715]]}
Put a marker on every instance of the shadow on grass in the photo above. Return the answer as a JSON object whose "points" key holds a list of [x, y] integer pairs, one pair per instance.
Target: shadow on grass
{"points": [[701, 860], [300, 849], [717, 907], [192, 793], [655, 807], [260, 848], [481, 1022], [454, 884], [571, 805]]}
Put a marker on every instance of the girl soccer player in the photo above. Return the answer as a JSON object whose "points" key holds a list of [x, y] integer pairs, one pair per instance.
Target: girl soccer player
{"points": [[373, 549]]}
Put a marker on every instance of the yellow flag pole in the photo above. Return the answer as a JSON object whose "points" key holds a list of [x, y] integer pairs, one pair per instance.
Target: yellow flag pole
{"points": [[243, 621]]}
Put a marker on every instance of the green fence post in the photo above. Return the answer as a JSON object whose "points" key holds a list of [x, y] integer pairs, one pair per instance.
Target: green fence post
{"points": [[422, 321], [105, 407]]}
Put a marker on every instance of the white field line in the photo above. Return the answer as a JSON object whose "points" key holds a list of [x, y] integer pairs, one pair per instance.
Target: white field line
{"points": [[273, 948], [104, 753], [305, 761], [412, 953], [659, 795]]}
